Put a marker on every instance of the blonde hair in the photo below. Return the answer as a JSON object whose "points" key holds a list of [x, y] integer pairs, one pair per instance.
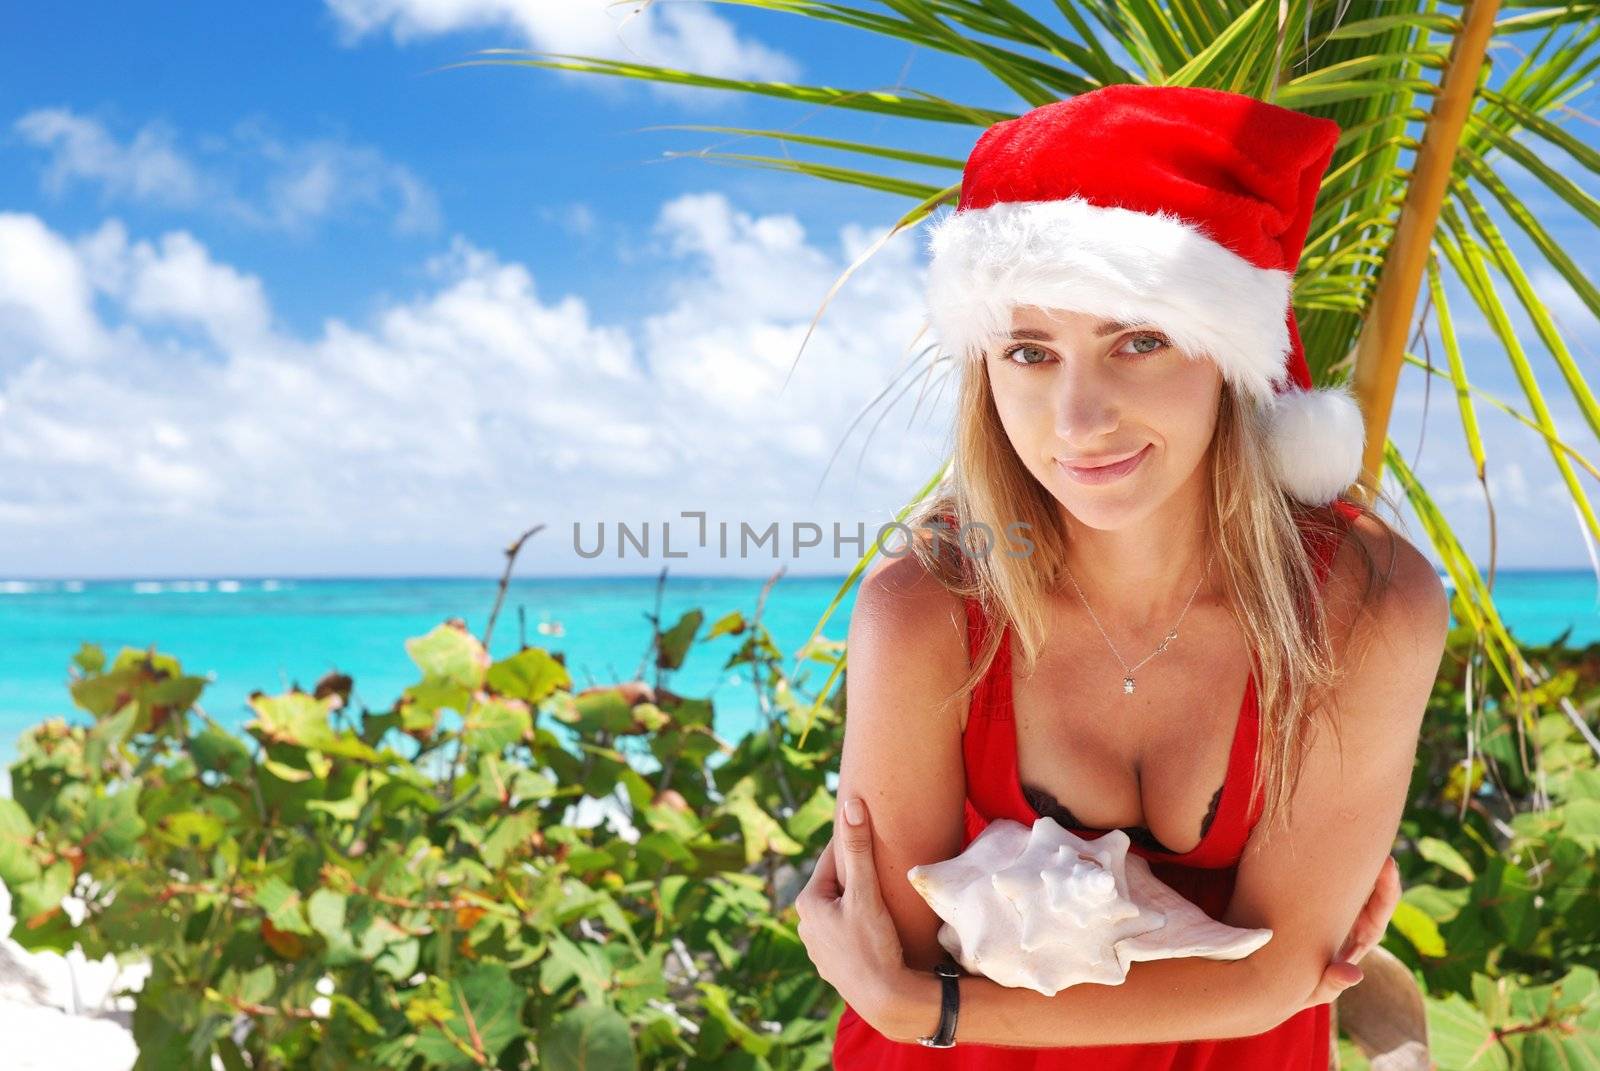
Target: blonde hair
{"points": [[1259, 531]]}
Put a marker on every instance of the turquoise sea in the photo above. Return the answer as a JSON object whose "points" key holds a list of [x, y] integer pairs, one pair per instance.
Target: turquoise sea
{"points": [[269, 633], [266, 633]]}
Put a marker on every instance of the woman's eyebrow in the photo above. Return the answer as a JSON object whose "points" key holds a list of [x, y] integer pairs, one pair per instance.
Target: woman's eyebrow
{"points": [[1105, 327]]}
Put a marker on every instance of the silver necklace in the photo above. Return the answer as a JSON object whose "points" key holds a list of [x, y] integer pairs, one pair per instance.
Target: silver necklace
{"points": [[1172, 633]]}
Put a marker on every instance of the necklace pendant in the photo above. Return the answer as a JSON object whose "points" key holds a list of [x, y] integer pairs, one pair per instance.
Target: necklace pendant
{"points": [[1127, 686]]}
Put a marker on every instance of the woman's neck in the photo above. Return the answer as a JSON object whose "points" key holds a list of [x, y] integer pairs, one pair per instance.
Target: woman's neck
{"points": [[1141, 574]]}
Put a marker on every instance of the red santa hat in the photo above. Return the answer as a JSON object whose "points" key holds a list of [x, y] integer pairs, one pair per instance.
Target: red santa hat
{"points": [[1178, 206]]}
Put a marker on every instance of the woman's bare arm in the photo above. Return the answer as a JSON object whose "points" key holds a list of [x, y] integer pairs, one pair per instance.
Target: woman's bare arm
{"points": [[1310, 879], [902, 743]]}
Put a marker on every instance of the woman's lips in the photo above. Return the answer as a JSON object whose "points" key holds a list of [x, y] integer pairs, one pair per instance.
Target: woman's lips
{"points": [[1105, 473]]}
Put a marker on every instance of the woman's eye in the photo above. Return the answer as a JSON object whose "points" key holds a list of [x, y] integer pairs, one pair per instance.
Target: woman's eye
{"points": [[1160, 344], [1010, 355]]}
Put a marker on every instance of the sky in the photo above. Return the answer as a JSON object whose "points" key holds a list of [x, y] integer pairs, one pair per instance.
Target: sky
{"points": [[283, 291]]}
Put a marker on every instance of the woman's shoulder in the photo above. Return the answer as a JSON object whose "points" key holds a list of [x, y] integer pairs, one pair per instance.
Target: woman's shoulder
{"points": [[904, 602], [1382, 588], [910, 629], [1387, 618], [908, 656]]}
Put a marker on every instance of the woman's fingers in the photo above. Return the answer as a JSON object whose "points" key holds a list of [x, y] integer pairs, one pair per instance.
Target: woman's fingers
{"points": [[820, 893], [823, 885], [1389, 878], [1380, 908], [1365, 933], [860, 873], [1373, 921], [1381, 904], [1336, 978]]}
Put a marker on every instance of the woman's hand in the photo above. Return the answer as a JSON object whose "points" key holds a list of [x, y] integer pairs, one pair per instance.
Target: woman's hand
{"points": [[847, 930], [1367, 931]]}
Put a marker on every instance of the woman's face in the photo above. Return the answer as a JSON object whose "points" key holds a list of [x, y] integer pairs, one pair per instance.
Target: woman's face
{"points": [[1112, 419]]}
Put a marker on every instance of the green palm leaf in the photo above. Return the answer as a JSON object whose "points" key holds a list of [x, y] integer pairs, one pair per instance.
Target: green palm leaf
{"points": [[919, 106], [1469, 260], [786, 136], [1508, 409]]}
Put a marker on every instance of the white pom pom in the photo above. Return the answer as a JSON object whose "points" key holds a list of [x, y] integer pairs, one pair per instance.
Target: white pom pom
{"points": [[1317, 440]]}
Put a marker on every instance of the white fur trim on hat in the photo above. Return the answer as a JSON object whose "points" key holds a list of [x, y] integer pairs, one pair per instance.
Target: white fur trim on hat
{"points": [[1114, 262], [1317, 440]]}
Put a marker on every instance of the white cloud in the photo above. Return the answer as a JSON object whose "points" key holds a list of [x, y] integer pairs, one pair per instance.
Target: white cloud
{"points": [[681, 35], [325, 178], [156, 417], [178, 282], [577, 217], [250, 176], [189, 433], [46, 299], [148, 168]]}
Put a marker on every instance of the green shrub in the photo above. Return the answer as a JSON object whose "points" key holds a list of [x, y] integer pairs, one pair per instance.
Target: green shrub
{"points": [[1500, 910], [426, 861], [432, 873]]}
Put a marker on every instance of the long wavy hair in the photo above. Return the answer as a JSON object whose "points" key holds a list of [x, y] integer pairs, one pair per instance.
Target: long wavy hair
{"points": [[1260, 532]]}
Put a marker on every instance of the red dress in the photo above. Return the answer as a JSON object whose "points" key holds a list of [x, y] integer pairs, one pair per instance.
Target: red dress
{"points": [[1204, 876]]}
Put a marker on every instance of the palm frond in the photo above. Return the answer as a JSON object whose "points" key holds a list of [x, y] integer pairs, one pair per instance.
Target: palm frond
{"points": [[1514, 413], [1532, 304], [919, 105], [1473, 601], [1469, 261], [848, 176], [904, 156]]}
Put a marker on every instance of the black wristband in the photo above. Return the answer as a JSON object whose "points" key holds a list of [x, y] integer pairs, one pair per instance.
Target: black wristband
{"points": [[949, 1004]]}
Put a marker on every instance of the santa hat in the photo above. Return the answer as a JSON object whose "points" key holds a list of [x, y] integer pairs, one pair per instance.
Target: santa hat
{"points": [[1178, 206]]}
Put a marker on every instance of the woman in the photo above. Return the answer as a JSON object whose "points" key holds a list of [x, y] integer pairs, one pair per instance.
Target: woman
{"points": [[1138, 436]]}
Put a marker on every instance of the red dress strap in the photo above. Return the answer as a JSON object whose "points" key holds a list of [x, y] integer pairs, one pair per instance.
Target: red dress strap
{"points": [[987, 745], [978, 624], [1324, 544]]}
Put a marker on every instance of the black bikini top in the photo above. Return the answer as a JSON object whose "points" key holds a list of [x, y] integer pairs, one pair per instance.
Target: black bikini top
{"points": [[1046, 804]]}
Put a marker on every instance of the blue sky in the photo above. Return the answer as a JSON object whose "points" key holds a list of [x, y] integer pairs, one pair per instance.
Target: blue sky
{"points": [[279, 295]]}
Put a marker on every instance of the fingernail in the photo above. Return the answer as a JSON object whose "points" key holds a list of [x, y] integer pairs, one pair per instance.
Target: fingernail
{"points": [[853, 812]]}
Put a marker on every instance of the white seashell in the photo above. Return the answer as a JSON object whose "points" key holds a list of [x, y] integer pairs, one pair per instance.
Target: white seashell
{"points": [[1043, 908]]}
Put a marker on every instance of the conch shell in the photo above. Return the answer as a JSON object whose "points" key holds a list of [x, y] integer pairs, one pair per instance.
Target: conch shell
{"points": [[1045, 909]]}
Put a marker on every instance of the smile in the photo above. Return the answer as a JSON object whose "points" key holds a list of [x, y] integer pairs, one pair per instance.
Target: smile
{"points": [[1105, 473]]}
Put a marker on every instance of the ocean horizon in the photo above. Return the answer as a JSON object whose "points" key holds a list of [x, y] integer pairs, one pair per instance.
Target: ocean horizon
{"points": [[270, 632]]}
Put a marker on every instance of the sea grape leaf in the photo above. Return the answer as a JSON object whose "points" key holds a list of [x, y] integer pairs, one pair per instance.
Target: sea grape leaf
{"points": [[483, 1006], [493, 723], [674, 644], [450, 653], [588, 1037], [529, 675]]}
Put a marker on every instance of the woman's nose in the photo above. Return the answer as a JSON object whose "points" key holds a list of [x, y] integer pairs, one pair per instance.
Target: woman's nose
{"points": [[1087, 407]]}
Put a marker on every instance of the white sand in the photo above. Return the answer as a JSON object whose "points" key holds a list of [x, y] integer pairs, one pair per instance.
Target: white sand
{"points": [[60, 1013]]}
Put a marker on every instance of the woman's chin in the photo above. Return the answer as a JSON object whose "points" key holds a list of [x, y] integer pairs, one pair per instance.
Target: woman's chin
{"points": [[1109, 508], [1108, 516]]}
